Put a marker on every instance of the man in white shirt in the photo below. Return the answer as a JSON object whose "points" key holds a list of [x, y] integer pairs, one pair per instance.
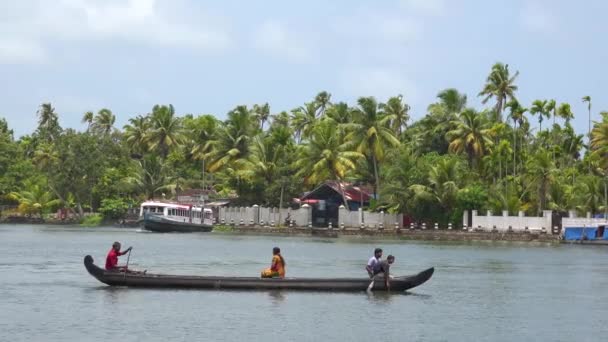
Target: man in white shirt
{"points": [[373, 262]]}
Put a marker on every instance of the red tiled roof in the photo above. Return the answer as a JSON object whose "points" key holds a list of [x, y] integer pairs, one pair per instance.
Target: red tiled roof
{"points": [[352, 193]]}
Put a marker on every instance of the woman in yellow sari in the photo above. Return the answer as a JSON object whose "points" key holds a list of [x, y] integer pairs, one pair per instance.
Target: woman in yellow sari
{"points": [[277, 268]]}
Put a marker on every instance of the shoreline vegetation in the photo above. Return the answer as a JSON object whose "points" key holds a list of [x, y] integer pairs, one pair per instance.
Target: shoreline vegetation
{"points": [[453, 158]]}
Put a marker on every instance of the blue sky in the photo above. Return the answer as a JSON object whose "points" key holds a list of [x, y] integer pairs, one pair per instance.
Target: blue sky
{"points": [[207, 57]]}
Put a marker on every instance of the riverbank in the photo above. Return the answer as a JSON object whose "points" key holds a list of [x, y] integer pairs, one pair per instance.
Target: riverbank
{"points": [[401, 234]]}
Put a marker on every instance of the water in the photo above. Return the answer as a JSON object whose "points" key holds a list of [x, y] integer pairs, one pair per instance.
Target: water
{"points": [[480, 291]]}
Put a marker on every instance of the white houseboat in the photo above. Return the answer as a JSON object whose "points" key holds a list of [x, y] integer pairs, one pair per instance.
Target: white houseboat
{"points": [[175, 217]]}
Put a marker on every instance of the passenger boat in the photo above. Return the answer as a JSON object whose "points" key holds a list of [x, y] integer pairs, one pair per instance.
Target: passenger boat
{"points": [[397, 284], [167, 217]]}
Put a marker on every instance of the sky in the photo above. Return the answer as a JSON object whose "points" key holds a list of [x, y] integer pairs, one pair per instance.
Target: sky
{"points": [[207, 57]]}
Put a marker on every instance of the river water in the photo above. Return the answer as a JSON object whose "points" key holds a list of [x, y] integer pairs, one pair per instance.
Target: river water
{"points": [[480, 291]]}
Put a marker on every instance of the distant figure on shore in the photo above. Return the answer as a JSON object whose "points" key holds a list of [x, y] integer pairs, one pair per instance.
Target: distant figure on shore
{"points": [[112, 258], [277, 267], [373, 262]]}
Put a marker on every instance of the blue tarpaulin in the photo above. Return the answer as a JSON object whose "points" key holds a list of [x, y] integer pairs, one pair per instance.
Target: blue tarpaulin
{"points": [[576, 233]]}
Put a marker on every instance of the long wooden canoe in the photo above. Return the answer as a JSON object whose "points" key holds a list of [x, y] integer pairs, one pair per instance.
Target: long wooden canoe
{"points": [[251, 283]]}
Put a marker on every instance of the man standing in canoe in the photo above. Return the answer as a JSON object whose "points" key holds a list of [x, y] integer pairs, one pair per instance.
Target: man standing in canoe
{"points": [[277, 268], [112, 258], [373, 262]]}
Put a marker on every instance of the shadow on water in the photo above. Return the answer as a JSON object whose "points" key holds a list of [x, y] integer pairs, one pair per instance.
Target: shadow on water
{"points": [[277, 297], [387, 297]]}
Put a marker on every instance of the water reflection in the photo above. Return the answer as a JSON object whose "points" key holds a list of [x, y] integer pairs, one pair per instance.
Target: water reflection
{"points": [[277, 297], [382, 297]]}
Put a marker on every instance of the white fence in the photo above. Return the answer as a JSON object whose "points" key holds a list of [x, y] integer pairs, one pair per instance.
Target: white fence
{"points": [[256, 215], [502, 223], [302, 217]]}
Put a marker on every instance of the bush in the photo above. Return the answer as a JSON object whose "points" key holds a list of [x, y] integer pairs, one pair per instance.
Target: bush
{"points": [[114, 208], [222, 228], [92, 220]]}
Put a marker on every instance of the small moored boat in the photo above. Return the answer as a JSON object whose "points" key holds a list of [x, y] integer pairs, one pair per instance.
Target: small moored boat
{"points": [[398, 284]]}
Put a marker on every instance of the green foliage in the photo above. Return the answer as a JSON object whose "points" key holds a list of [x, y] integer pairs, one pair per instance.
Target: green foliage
{"points": [[452, 159], [222, 228], [114, 208], [93, 220]]}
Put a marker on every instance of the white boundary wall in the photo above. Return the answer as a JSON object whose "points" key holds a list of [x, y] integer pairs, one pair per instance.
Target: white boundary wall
{"points": [[302, 217], [517, 223], [371, 220], [256, 215]]}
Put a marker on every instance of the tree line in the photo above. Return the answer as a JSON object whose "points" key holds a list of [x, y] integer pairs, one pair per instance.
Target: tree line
{"points": [[454, 158]]}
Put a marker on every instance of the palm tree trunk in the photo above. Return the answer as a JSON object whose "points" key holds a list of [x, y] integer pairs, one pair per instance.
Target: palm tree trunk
{"points": [[343, 194], [377, 185], [514, 147]]}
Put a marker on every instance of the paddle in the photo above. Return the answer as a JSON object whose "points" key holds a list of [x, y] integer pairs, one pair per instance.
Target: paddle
{"points": [[128, 257], [127, 267], [371, 285]]}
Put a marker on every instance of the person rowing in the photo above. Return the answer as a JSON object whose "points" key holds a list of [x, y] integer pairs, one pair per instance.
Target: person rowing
{"points": [[112, 258], [373, 261], [277, 267]]}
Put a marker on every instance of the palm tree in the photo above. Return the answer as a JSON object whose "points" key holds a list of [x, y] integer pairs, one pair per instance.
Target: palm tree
{"points": [[370, 135], [303, 120], [551, 110], [323, 101], [599, 142], [453, 100], [34, 199], [48, 122], [541, 171], [589, 194], [282, 119], [263, 161], [103, 122], [166, 132], [442, 187], [396, 191], [565, 112], [88, 119], [151, 176], [231, 145], [136, 133], [340, 113], [395, 112], [516, 114], [587, 99], [325, 156], [202, 137], [499, 85], [471, 135], [261, 113], [540, 108]]}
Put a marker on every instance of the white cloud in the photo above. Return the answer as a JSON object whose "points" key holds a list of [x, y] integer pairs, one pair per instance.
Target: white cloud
{"points": [[432, 7], [377, 81], [537, 18], [15, 51], [31, 24], [377, 26], [274, 38]]}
